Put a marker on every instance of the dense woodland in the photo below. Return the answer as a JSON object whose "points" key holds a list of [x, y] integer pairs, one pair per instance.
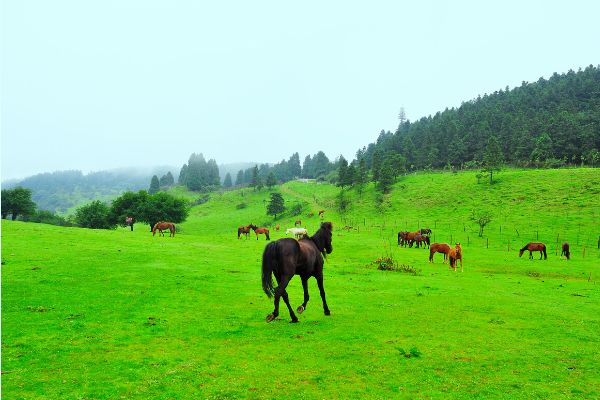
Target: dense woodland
{"points": [[550, 123]]}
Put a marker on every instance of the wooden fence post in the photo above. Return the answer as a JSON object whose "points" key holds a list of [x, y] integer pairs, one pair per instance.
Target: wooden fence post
{"points": [[583, 251], [487, 243], [557, 249]]}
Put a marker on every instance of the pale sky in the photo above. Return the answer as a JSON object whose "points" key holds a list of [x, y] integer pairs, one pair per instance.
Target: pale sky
{"points": [[100, 85]]}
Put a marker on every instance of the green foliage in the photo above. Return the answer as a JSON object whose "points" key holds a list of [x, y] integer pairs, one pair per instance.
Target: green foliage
{"points": [[482, 219], [386, 176], [413, 352], [256, 181], [342, 173], [163, 207], [227, 182], [493, 158], [93, 216], [376, 165], [276, 205], [17, 202], [167, 180], [240, 178], [154, 185], [241, 206], [46, 217], [271, 180], [200, 200]]}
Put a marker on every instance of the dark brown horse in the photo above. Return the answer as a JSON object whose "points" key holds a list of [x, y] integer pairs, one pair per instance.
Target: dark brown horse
{"points": [[298, 223], [287, 257], [565, 251], [454, 255], [439, 248], [534, 247], [401, 237], [421, 239], [244, 230], [425, 231], [410, 237], [259, 231], [163, 226]]}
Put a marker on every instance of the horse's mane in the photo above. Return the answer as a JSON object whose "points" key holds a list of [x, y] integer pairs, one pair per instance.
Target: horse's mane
{"points": [[525, 248], [322, 237]]}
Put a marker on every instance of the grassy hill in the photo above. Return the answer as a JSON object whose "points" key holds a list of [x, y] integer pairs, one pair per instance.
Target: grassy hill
{"points": [[184, 317]]}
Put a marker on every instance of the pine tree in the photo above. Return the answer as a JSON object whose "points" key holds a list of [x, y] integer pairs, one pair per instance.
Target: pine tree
{"points": [[276, 205], [362, 175], [240, 177], [227, 182], [342, 171], [154, 185], [386, 176], [271, 180], [493, 157], [376, 165], [255, 178]]}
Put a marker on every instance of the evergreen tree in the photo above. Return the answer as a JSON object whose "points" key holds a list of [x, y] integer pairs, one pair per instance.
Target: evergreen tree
{"points": [[376, 165], [362, 175], [227, 182], [342, 171], [386, 176], [350, 175], [255, 178], [398, 164], [154, 185], [493, 158], [182, 173], [271, 180], [276, 205], [240, 178], [294, 165]]}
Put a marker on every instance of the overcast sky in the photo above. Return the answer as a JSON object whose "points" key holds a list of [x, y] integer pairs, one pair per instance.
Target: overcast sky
{"points": [[99, 85]]}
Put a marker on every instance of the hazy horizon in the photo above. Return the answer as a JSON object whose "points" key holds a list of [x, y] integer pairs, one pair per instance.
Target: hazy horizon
{"points": [[94, 87]]}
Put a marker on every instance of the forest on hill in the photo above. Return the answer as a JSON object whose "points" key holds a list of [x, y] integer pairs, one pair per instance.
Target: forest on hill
{"points": [[550, 123]]}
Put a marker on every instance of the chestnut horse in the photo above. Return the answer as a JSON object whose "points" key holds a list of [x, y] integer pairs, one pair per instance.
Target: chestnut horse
{"points": [[410, 237], [245, 230], [321, 213], [163, 226], [439, 248], [534, 247], [277, 228], [287, 257], [565, 251], [298, 223], [454, 255], [258, 231], [311, 215]]}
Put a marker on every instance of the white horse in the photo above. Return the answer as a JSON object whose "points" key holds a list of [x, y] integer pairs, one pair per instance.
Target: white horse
{"points": [[298, 232]]}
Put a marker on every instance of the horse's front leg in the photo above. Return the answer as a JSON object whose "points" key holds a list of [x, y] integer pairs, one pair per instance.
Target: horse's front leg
{"points": [[319, 279], [301, 308]]}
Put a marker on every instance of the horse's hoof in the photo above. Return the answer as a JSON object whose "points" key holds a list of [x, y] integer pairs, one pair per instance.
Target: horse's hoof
{"points": [[294, 321], [270, 317], [300, 309], [327, 312]]}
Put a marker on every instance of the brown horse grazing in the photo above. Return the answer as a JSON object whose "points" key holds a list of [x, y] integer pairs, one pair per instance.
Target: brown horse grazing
{"points": [[311, 215], [287, 257], [421, 239], [258, 231], [454, 255], [163, 226], [277, 228], [534, 247], [245, 230], [439, 248], [401, 237], [565, 251], [410, 237], [298, 223]]}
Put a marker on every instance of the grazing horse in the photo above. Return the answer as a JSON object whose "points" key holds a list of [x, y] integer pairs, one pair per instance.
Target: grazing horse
{"points": [[298, 223], [287, 257], [322, 213], [534, 247], [425, 231], [245, 230], [565, 251], [439, 248], [298, 232], [402, 237], [258, 231], [277, 228], [311, 215], [454, 255], [421, 239], [163, 226], [410, 237]]}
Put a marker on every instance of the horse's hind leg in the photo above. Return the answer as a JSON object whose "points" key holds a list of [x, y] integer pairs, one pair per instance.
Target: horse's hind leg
{"points": [[280, 292], [302, 307]]}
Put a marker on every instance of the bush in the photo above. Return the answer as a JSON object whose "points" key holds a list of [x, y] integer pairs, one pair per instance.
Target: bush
{"points": [[241, 206], [200, 200]]}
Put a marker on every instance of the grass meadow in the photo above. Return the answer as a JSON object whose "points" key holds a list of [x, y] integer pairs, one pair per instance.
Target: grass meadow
{"points": [[115, 314]]}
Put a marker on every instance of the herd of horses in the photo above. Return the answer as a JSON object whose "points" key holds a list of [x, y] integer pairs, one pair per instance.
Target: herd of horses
{"points": [[304, 256]]}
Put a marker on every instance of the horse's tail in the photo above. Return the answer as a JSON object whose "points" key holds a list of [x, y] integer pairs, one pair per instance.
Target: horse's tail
{"points": [[544, 250], [269, 264], [267, 233], [173, 229]]}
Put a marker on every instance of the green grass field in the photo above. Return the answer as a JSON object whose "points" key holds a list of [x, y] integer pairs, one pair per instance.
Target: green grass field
{"points": [[91, 314]]}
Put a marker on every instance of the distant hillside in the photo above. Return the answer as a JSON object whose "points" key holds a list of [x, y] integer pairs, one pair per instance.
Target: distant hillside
{"points": [[61, 191]]}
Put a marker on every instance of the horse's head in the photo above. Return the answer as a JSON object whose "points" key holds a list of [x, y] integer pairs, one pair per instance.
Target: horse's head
{"points": [[288, 231], [520, 253], [328, 228]]}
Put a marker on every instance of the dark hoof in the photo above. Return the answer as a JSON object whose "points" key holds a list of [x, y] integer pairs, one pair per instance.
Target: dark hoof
{"points": [[270, 317], [294, 321], [327, 312], [300, 309]]}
